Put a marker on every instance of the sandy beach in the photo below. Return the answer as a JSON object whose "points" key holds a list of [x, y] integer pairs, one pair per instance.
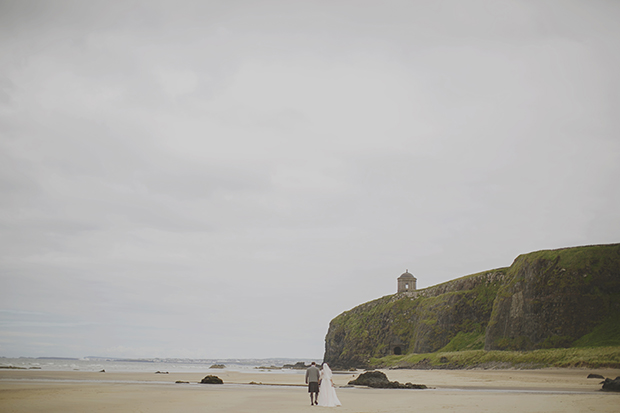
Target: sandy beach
{"points": [[548, 390]]}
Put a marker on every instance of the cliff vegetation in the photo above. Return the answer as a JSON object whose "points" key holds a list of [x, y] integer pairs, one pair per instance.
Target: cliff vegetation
{"points": [[554, 299]]}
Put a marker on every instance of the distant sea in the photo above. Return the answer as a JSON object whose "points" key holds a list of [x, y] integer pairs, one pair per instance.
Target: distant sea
{"points": [[145, 365]]}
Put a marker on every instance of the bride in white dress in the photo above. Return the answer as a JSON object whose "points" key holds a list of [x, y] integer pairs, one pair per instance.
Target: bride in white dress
{"points": [[327, 390]]}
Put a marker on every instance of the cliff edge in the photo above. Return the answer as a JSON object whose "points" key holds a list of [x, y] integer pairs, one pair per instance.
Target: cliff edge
{"points": [[545, 299]]}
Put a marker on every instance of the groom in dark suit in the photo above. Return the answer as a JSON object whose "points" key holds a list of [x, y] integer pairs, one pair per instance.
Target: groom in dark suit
{"points": [[312, 379]]}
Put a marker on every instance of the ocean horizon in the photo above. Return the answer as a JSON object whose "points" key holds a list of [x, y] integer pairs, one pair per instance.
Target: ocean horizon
{"points": [[169, 365]]}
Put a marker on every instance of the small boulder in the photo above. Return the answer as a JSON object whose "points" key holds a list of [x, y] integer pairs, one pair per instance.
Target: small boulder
{"points": [[415, 386], [379, 380], [371, 379], [612, 385], [210, 379], [595, 376]]}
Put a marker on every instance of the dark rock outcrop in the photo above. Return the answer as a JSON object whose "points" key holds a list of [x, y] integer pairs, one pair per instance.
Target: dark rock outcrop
{"points": [[379, 380], [612, 385], [595, 376], [545, 299], [210, 379], [300, 365]]}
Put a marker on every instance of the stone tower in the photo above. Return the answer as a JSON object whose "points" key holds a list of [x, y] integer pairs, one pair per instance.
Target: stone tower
{"points": [[406, 282]]}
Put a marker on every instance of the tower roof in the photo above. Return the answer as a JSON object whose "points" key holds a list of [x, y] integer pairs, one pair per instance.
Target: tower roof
{"points": [[406, 274]]}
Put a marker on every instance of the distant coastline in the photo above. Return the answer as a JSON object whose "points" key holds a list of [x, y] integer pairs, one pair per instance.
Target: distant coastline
{"points": [[145, 364]]}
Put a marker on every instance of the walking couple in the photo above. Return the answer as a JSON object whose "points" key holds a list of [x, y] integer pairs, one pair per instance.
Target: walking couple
{"points": [[321, 386]]}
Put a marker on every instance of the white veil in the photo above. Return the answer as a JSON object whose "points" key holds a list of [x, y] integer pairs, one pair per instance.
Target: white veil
{"points": [[327, 372]]}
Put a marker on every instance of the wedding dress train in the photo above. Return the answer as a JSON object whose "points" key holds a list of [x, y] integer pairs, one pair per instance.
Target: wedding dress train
{"points": [[327, 390]]}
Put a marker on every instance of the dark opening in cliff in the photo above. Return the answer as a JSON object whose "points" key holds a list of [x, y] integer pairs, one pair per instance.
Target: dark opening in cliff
{"points": [[398, 351]]}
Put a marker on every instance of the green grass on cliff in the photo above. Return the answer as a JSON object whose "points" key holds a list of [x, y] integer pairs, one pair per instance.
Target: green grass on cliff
{"points": [[550, 308], [465, 341], [606, 334], [599, 357], [594, 257]]}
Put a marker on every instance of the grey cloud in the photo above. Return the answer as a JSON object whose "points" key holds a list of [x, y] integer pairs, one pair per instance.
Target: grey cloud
{"points": [[164, 167]]}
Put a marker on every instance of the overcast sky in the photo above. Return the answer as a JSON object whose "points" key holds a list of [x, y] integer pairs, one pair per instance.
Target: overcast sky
{"points": [[222, 178]]}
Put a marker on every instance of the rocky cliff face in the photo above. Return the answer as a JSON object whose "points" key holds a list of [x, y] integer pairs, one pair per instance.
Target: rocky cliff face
{"points": [[544, 299], [554, 297]]}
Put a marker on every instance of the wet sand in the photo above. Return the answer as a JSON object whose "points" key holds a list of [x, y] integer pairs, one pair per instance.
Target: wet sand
{"points": [[547, 390]]}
